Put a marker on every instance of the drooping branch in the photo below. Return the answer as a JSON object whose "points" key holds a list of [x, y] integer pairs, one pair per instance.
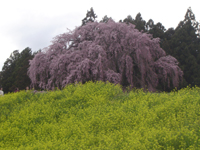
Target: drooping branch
{"points": [[114, 52]]}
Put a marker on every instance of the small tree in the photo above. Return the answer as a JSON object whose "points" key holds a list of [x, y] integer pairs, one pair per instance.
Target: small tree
{"points": [[114, 52], [90, 17], [105, 19], [190, 17], [14, 72]]}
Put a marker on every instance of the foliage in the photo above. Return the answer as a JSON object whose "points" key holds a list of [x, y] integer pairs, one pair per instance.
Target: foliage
{"points": [[138, 21], [14, 72], [100, 116], [90, 17], [183, 44], [114, 52], [149, 25], [190, 17], [1, 79], [157, 30], [105, 19]]}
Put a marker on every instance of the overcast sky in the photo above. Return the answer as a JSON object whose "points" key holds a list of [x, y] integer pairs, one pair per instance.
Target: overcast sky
{"points": [[34, 23]]}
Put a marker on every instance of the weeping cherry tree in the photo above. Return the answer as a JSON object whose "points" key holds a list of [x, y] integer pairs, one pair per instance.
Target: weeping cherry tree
{"points": [[114, 52]]}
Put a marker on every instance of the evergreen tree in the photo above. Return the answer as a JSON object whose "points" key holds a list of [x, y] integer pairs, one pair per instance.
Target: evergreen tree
{"points": [[14, 72], [157, 30], [1, 79], [105, 19], [165, 43], [169, 33], [139, 23], [90, 17], [190, 17], [22, 80], [8, 72], [185, 47], [149, 25], [129, 19]]}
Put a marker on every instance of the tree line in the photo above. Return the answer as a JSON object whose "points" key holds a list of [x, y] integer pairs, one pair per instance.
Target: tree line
{"points": [[182, 43]]}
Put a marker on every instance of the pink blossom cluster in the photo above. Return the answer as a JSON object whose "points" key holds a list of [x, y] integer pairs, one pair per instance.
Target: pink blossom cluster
{"points": [[114, 52]]}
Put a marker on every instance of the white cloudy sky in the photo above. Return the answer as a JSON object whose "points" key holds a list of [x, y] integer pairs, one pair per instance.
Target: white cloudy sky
{"points": [[33, 23]]}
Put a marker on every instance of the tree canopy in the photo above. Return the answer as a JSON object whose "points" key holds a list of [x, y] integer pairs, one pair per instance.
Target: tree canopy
{"points": [[114, 52], [183, 43], [14, 72], [90, 17]]}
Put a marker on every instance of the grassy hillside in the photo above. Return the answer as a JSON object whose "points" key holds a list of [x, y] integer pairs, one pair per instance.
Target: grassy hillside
{"points": [[100, 116]]}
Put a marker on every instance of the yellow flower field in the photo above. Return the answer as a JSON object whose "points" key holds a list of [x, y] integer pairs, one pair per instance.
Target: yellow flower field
{"points": [[100, 116]]}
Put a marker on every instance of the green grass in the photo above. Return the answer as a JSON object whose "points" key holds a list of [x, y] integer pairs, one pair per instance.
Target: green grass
{"points": [[100, 116]]}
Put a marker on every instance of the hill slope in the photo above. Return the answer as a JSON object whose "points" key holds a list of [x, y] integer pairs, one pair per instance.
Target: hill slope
{"points": [[100, 116]]}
